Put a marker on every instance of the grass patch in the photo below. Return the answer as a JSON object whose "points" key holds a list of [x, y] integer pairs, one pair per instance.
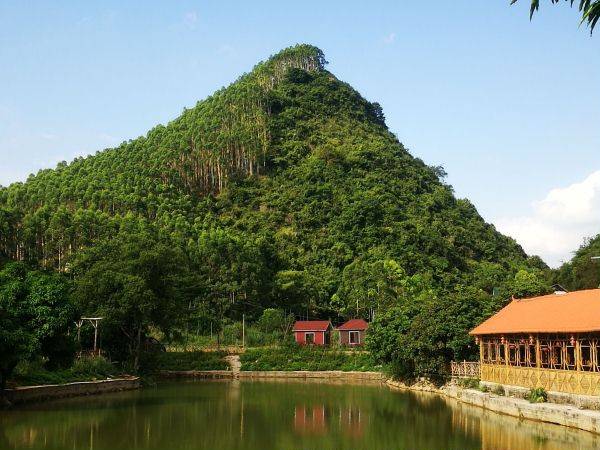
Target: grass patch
{"points": [[294, 357], [498, 390], [537, 395], [468, 383], [196, 360], [84, 369]]}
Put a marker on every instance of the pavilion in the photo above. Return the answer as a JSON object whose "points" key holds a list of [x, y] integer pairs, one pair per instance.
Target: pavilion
{"points": [[549, 342]]}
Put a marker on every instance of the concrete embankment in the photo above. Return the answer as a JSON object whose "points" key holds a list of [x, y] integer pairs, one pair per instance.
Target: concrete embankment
{"points": [[300, 374], [30, 394], [560, 414]]}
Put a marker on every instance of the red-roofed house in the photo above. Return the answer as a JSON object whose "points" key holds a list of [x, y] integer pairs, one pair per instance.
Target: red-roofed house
{"points": [[352, 333], [312, 332]]}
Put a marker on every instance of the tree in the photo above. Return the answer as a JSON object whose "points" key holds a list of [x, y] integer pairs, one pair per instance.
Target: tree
{"points": [[528, 284], [134, 282], [36, 318], [590, 10]]}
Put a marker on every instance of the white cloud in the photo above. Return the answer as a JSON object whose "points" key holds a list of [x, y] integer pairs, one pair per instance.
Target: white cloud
{"points": [[390, 38], [560, 222]]}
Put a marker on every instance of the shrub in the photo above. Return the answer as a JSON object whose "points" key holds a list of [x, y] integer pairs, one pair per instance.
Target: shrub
{"points": [[537, 395], [83, 369], [232, 333], [290, 358], [189, 361], [468, 383], [499, 390]]}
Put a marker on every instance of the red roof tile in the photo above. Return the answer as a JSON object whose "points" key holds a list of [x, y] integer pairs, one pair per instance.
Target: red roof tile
{"points": [[312, 325], [573, 312], [354, 324]]}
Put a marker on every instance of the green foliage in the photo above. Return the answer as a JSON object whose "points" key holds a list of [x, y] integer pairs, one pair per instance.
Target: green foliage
{"points": [[469, 383], [590, 10], [36, 318], [275, 321], [189, 361], [582, 272], [529, 284], [537, 395], [135, 283], [499, 390], [83, 369], [294, 357], [284, 190]]}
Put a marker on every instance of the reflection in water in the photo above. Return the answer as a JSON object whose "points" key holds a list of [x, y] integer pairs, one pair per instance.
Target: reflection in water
{"points": [[317, 419], [266, 415], [310, 420]]}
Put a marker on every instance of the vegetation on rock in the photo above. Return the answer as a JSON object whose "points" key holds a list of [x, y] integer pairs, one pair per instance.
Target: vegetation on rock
{"points": [[284, 190]]}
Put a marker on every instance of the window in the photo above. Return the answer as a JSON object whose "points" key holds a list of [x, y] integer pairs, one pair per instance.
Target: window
{"points": [[513, 351], [532, 361], [309, 338], [570, 363], [354, 337], [587, 361], [545, 356], [556, 355], [501, 353], [522, 354], [493, 355]]}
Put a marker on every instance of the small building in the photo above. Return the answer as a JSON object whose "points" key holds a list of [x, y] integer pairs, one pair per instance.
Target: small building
{"points": [[312, 332], [352, 333], [549, 342]]}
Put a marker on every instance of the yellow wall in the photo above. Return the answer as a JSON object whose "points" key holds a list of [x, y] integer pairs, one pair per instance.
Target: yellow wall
{"points": [[569, 381]]}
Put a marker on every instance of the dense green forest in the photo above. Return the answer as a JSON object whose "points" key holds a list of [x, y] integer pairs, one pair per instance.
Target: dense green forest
{"points": [[283, 190], [582, 272]]}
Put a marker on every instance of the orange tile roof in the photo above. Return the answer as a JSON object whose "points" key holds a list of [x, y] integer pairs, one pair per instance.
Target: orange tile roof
{"points": [[573, 312]]}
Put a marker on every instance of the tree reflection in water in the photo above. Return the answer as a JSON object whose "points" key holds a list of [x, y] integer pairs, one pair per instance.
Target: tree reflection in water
{"points": [[275, 416]]}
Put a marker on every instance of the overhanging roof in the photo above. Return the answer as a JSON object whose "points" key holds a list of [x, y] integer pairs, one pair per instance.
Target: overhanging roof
{"points": [[312, 325], [572, 312]]}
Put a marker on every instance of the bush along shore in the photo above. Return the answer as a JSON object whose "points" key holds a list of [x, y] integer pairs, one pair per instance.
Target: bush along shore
{"points": [[292, 358]]}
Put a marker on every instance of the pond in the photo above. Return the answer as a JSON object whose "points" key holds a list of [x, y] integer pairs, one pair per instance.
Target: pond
{"points": [[275, 415]]}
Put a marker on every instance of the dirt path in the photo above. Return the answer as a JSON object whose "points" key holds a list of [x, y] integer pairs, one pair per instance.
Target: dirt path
{"points": [[234, 364]]}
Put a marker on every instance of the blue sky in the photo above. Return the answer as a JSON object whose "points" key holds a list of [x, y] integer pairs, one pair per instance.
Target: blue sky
{"points": [[510, 108]]}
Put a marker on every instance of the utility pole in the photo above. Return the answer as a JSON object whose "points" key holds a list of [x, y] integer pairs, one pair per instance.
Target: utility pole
{"points": [[243, 330]]}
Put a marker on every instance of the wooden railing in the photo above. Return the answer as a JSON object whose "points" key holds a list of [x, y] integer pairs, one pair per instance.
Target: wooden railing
{"points": [[465, 369]]}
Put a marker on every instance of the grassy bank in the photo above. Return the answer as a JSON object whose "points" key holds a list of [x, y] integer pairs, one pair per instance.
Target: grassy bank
{"points": [[306, 358], [196, 360], [84, 369]]}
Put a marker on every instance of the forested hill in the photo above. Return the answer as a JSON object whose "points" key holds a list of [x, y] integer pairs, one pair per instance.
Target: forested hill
{"points": [[582, 272], [284, 188]]}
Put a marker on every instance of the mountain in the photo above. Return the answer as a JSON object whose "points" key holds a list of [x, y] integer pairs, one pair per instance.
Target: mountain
{"points": [[279, 187], [582, 272]]}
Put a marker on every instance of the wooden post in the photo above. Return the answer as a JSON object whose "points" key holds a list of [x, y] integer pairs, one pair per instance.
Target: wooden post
{"points": [[577, 353], [95, 324], [538, 352]]}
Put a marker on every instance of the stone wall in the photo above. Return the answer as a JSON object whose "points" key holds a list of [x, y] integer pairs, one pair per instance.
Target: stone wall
{"points": [[560, 414], [561, 398], [325, 375], [28, 394]]}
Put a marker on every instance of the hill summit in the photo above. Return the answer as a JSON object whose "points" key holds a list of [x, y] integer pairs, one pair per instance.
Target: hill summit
{"points": [[285, 188]]}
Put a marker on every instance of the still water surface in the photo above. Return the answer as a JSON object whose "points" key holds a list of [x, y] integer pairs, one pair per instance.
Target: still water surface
{"points": [[275, 415]]}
